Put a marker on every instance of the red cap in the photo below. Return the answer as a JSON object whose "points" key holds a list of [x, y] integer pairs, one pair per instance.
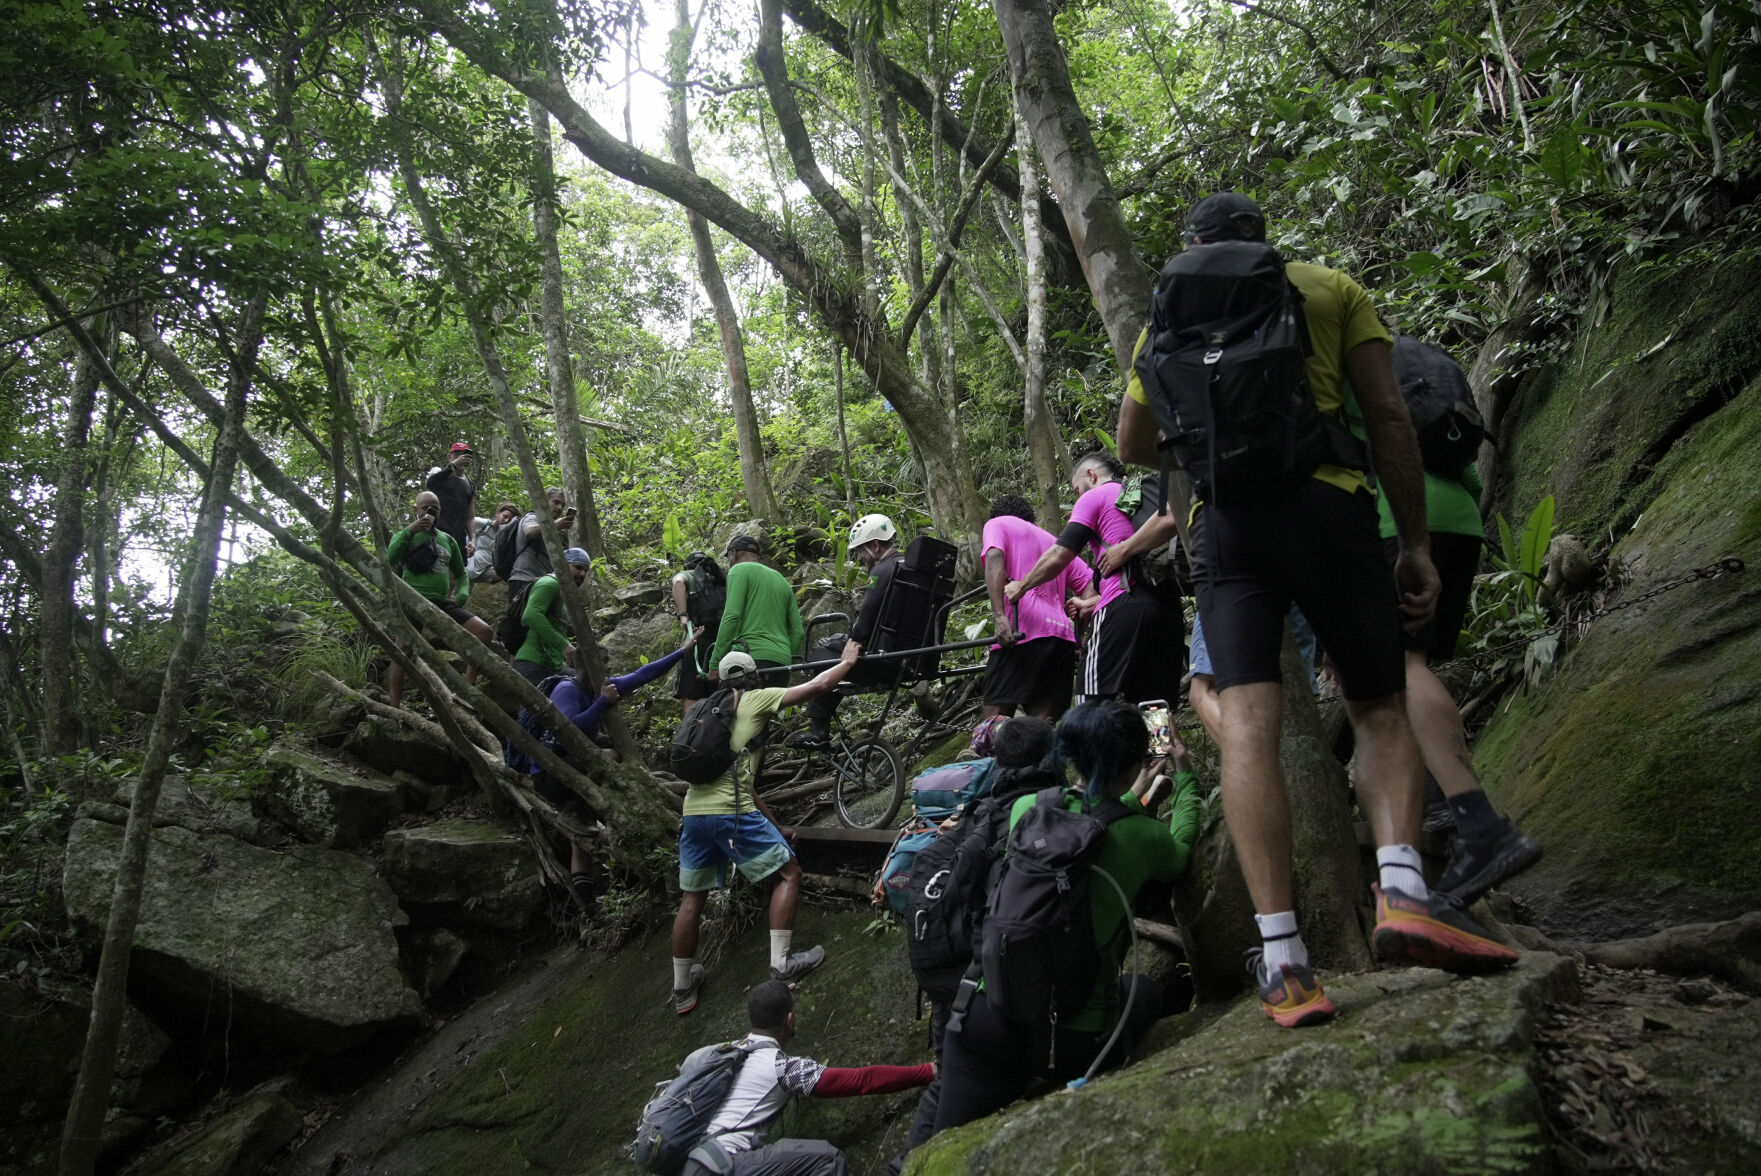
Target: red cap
{"points": [[460, 447]]}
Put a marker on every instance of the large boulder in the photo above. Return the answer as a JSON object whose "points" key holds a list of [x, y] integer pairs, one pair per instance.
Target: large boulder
{"points": [[1421, 1073], [388, 745], [463, 871], [239, 1141], [296, 946], [324, 799], [212, 803]]}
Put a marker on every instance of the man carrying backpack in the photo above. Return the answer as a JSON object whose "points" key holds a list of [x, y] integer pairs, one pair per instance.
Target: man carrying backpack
{"points": [[480, 567], [874, 543], [522, 560], [1287, 516], [458, 497], [431, 562], [1136, 643], [734, 1142], [546, 649], [1035, 656], [760, 614], [726, 821], [700, 593]]}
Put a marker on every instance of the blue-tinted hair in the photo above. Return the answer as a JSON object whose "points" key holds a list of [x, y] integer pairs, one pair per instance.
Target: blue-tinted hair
{"points": [[1106, 742]]}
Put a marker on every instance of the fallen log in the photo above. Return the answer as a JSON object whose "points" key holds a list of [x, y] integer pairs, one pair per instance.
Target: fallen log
{"points": [[1730, 950]]}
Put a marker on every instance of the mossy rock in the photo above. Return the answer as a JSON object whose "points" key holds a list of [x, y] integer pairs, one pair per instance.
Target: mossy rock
{"points": [[1638, 765], [552, 1076], [1421, 1073]]}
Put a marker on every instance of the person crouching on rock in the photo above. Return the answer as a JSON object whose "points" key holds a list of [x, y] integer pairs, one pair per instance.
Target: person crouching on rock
{"points": [[727, 821], [431, 562], [767, 1080]]}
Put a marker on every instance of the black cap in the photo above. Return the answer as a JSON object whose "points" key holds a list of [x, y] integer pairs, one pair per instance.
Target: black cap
{"points": [[1225, 216], [742, 543]]}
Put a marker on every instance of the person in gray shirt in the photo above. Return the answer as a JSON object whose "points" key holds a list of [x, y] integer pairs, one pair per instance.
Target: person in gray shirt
{"points": [[531, 562]]}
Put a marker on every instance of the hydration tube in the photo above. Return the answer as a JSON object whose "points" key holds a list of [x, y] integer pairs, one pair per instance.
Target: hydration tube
{"points": [[1131, 995]]}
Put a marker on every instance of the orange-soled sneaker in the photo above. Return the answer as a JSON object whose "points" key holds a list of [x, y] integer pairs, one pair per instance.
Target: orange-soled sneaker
{"points": [[1431, 933], [1291, 998]]}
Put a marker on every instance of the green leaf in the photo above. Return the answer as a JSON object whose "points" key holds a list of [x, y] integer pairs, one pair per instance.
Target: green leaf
{"points": [[1537, 537], [1562, 160]]}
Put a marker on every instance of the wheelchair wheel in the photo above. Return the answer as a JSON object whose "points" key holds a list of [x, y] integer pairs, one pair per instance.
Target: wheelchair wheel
{"points": [[868, 784]]}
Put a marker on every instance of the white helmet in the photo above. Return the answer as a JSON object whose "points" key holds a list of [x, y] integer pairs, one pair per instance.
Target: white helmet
{"points": [[870, 527]]}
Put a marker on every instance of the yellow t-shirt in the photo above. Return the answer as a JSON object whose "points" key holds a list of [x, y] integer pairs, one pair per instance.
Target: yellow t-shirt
{"points": [[1340, 315], [751, 716]]}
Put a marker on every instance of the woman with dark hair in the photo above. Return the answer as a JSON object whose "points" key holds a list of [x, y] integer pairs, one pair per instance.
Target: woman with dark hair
{"points": [[990, 1061]]}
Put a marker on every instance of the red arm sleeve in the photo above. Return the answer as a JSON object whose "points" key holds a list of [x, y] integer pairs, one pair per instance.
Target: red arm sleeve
{"points": [[841, 1083]]}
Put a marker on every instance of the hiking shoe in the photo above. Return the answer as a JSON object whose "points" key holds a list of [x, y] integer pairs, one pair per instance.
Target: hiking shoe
{"points": [[813, 735], [1477, 866], [1439, 818], [800, 963], [1431, 933], [685, 999], [1291, 998]]}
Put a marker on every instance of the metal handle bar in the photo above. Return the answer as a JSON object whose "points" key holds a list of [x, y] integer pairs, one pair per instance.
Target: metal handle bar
{"points": [[895, 655]]}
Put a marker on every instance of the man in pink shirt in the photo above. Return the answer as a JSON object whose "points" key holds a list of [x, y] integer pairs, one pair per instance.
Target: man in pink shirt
{"points": [[1136, 645], [1032, 664]]}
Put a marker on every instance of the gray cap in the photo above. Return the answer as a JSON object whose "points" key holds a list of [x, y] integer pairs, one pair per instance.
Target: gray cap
{"points": [[578, 555]]}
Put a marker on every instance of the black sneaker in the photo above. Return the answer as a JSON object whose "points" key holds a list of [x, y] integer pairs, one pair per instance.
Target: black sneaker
{"points": [[813, 735], [1478, 866]]}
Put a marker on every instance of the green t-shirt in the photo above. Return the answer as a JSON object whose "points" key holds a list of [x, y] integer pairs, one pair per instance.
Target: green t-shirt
{"points": [[445, 579], [546, 641], [751, 716], [1137, 849], [1452, 505], [761, 612]]}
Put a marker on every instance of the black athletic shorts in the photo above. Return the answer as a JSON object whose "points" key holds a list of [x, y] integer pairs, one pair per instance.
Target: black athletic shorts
{"points": [[1030, 673], [1457, 558], [1137, 648], [456, 612], [1319, 548]]}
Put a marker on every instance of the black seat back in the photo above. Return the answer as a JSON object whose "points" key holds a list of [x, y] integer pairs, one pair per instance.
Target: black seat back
{"points": [[911, 615]]}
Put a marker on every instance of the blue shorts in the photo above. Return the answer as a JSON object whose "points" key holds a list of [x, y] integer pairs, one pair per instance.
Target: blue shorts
{"points": [[708, 844], [1200, 656]]}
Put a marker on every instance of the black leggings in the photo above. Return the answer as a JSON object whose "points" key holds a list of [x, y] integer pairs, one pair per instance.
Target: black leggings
{"points": [[989, 1062]]}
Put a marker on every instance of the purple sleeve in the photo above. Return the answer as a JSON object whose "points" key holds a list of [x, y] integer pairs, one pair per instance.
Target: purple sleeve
{"points": [[636, 679], [566, 697]]}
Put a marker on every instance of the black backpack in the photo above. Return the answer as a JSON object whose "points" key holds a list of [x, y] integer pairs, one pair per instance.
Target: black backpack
{"points": [[1441, 405], [1038, 950], [1140, 499], [705, 598], [507, 548], [1224, 370], [676, 1119], [425, 553], [703, 746], [946, 895]]}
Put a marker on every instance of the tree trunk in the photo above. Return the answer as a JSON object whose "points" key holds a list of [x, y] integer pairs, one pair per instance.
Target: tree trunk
{"points": [[61, 729], [91, 1092], [1119, 282], [761, 497], [843, 437], [559, 366], [1043, 440]]}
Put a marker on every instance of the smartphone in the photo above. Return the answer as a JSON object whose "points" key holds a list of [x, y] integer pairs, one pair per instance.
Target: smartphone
{"points": [[1159, 718]]}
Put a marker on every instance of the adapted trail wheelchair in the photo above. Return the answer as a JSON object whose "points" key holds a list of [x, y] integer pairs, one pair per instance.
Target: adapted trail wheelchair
{"points": [[865, 773]]}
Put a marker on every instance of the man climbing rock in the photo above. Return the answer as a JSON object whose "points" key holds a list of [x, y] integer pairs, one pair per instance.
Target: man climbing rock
{"points": [[768, 1078], [531, 563], [760, 615], [431, 562], [1308, 535], [546, 649], [726, 821]]}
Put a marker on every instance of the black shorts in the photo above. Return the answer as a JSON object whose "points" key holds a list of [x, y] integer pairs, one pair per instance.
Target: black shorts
{"points": [[1319, 548], [456, 612], [1136, 647], [532, 671], [1030, 673], [1457, 558]]}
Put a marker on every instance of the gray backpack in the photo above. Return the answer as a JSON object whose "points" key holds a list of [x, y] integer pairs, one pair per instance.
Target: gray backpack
{"points": [[676, 1119]]}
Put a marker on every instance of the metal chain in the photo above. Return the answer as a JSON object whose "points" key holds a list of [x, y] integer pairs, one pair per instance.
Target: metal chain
{"points": [[1729, 565]]}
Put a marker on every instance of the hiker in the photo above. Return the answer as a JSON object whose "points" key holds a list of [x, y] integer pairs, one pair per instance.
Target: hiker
{"points": [[990, 1060], [700, 593], [767, 1080], [727, 821], [1488, 848], [458, 497], [480, 567], [1304, 533], [531, 562], [760, 615], [874, 543], [430, 561], [1201, 692], [546, 649], [1034, 660], [1136, 643], [586, 708]]}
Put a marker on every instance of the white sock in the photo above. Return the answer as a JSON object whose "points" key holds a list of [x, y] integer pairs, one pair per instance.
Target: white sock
{"points": [[1282, 945], [1401, 870], [780, 942], [682, 973]]}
